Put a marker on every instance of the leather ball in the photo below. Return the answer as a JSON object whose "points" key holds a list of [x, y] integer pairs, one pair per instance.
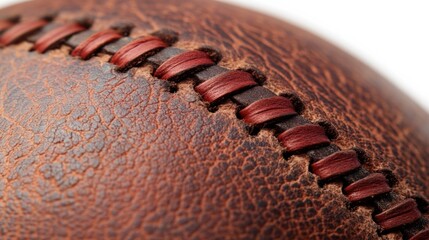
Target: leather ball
{"points": [[195, 119]]}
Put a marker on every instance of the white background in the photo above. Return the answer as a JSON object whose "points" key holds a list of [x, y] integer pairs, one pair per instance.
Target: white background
{"points": [[392, 36]]}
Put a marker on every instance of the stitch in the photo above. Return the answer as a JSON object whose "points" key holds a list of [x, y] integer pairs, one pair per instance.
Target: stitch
{"points": [[400, 214], [95, 42], [303, 137], [20, 31], [266, 110], [135, 51], [53, 37], [296, 133], [220, 86], [369, 186], [336, 164], [261, 118], [182, 63]]}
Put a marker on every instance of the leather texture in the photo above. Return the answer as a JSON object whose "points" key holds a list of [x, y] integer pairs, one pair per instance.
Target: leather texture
{"points": [[90, 153]]}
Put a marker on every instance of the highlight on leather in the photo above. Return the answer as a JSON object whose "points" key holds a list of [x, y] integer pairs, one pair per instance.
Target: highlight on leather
{"points": [[336, 164], [5, 24], [20, 31], [266, 110], [403, 213], [135, 50], [183, 63], [224, 84], [303, 137], [53, 37], [370, 186], [94, 43]]}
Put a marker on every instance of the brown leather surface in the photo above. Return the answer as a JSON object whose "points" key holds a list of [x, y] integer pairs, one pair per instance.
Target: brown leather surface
{"points": [[86, 152]]}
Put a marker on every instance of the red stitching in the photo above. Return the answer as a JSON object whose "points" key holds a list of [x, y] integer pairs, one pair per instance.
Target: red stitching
{"points": [[369, 186], [266, 110], [303, 137], [182, 63], [224, 84], [136, 49], [49, 39], [400, 214], [21, 30], [336, 164], [95, 42]]}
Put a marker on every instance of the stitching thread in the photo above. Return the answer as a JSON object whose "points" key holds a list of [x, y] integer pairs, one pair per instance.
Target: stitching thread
{"points": [[55, 36], [182, 63], [267, 110], [260, 108], [336, 164], [224, 84], [91, 45], [19, 31], [134, 52]]}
